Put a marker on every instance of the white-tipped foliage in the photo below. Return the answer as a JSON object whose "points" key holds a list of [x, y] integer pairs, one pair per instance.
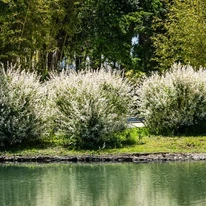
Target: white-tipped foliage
{"points": [[175, 101], [90, 106], [22, 102]]}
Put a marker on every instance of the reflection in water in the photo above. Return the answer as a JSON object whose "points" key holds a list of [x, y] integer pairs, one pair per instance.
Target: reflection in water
{"points": [[169, 184]]}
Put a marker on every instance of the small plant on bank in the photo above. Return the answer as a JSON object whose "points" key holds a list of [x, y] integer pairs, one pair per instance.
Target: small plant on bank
{"points": [[90, 107], [133, 136], [22, 106], [175, 102]]}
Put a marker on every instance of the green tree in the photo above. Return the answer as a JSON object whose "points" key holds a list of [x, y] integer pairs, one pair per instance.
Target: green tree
{"points": [[184, 39], [32, 31], [40, 34], [105, 32], [143, 52], [25, 27], [64, 26]]}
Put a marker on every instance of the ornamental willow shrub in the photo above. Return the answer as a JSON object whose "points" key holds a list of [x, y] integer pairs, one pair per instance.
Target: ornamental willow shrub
{"points": [[175, 102], [22, 106], [90, 107]]}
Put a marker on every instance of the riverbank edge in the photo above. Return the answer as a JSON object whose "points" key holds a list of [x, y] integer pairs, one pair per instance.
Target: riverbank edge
{"points": [[135, 158]]}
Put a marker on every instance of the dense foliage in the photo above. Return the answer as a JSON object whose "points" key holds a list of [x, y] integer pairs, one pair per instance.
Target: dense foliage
{"points": [[87, 109], [175, 102], [90, 107], [40, 35], [142, 35], [184, 36], [32, 32], [22, 107], [135, 36]]}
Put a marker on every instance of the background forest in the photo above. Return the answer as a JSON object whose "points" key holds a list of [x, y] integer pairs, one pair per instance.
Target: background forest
{"points": [[134, 35]]}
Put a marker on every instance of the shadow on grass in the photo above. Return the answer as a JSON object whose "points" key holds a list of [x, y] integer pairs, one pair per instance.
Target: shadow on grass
{"points": [[48, 145], [40, 144]]}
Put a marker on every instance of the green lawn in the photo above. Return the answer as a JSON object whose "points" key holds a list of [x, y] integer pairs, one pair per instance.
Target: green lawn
{"points": [[146, 144]]}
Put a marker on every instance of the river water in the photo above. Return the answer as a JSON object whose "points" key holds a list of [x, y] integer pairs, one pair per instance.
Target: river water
{"points": [[153, 184]]}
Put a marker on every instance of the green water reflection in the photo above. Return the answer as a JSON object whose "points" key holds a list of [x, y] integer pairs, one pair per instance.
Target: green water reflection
{"points": [[153, 184]]}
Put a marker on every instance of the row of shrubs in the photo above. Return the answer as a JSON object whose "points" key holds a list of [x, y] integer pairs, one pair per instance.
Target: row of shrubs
{"points": [[90, 107]]}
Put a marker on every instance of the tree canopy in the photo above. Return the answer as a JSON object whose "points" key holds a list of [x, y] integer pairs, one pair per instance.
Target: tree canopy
{"points": [[142, 35], [30, 31], [184, 39]]}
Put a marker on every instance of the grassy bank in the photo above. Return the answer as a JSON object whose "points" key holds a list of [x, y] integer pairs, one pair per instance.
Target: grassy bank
{"points": [[146, 144]]}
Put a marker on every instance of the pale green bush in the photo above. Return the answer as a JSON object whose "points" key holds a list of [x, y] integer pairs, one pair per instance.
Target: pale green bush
{"points": [[174, 102], [22, 106], [90, 106]]}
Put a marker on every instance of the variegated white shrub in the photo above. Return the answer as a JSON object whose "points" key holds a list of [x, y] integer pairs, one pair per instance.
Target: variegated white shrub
{"points": [[174, 102], [22, 106], [90, 106]]}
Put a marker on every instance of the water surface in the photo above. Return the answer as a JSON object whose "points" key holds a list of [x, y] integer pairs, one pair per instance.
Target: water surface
{"points": [[155, 184]]}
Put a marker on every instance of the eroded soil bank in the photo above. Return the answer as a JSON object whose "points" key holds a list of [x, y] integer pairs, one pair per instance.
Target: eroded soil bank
{"points": [[136, 158]]}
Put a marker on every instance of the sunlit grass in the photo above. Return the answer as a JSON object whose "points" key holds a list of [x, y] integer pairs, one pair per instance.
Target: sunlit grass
{"points": [[143, 144], [165, 144]]}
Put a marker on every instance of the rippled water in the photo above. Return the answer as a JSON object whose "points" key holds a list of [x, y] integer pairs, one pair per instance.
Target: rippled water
{"points": [[152, 184]]}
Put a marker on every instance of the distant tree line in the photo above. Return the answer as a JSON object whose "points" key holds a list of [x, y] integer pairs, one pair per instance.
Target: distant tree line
{"points": [[41, 34]]}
